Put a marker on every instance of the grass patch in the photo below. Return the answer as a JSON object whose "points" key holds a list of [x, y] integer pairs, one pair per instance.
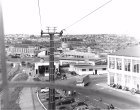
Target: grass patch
{"points": [[14, 94]]}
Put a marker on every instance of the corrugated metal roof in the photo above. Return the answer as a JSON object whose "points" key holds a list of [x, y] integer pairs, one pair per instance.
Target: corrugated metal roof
{"points": [[37, 59], [130, 52], [24, 45]]}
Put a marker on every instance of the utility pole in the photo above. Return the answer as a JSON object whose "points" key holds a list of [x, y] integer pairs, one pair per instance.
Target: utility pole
{"points": [[51, 32]]}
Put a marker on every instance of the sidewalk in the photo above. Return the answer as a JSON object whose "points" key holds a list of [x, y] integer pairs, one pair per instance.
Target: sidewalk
{"points": [[28, 99], [104, 85]]}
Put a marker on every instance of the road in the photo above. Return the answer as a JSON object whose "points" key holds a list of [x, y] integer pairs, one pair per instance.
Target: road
{"points": [[120, 99], [28, 97]]}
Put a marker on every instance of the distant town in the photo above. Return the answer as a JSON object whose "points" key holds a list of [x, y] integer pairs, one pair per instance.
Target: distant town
{"points": [[106, 66], [105, 43]]}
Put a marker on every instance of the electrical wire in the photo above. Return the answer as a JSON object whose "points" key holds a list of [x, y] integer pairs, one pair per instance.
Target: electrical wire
{"points": [[39, 14], [87, 15]]}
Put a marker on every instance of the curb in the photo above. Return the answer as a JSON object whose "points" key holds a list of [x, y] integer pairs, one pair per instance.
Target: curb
{"points": [[41, 102], [121, 91]]}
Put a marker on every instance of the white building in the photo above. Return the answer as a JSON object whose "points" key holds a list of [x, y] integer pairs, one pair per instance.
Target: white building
{"points": [[77, 54], [124, 67], [87, 68], [44, 63], [42, 53], [22, 50]]}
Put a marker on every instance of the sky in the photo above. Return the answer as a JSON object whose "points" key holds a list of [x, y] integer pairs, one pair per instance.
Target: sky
{"points": [[116, 17]]}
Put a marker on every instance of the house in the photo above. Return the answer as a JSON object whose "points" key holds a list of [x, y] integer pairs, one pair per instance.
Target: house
{"points": [[124, 67]]}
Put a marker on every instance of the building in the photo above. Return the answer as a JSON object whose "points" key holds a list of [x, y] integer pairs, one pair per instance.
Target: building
{"points": [[77, 54], [42, 65], [87, 68], [124, 67], [22, 50]]}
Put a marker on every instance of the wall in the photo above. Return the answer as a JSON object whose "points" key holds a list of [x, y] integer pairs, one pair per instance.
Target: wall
{"points": [[122, 77]]}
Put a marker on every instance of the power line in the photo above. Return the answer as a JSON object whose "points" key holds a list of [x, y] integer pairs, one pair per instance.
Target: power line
{"points": [[87, 15], [39, 14]]}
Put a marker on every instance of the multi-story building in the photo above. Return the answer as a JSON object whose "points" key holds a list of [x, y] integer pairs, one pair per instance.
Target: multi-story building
{"points": [[22, 50], [77, 54], [124, 67]]}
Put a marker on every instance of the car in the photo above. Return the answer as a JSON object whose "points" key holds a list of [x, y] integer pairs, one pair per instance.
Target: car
{"points": [[133, 91], [36, 79], [119, 86], [73, 73], [76, 104], [113, 85], [125, 88], [82, 107], [57, 97], [44, 90], [64, 107], [66, 100]]}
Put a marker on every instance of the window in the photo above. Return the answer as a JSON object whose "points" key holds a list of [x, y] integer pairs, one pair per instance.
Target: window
{"points": [[90, 69], [103, 68], [83, 69], [127, 64], [127, 80], [119, 63], [136, 66], [119, 78], [111, 63]]}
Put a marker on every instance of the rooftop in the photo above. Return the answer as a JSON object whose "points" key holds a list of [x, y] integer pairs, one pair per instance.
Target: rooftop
{"points": [[74, 52], [85, 65], [23, 45], [130, 52], [46, 59]]}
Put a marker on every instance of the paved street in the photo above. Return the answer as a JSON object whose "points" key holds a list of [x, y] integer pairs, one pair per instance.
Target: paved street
{"points": [[101, 96], [28, 99], [120, 99]]}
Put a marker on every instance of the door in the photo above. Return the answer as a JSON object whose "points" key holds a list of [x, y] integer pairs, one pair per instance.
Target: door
{"points": [[95, 72]]}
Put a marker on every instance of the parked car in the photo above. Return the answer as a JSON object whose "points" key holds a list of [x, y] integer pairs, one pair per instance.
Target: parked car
{"points": [[44, 90], [73, 73], [113, 85], [133, 91], [63, 107], [118, 86], [76, 104], [66, 100], [36, 79], [125, 88], [56, 97], [82, 107]]}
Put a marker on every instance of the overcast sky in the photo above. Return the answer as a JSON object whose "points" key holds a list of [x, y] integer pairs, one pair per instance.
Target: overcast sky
{"points": [[117, 17]]}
